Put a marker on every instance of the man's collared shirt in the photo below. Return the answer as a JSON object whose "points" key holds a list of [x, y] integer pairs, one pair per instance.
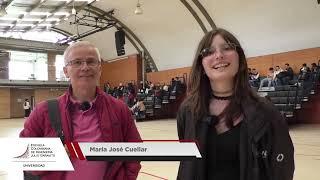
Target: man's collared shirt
{"points": [[86, 128]]}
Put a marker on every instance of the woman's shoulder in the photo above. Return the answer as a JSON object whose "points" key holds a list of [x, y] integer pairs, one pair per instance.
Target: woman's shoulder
{"points": [[185, 106], [262, 108], [267, 106]]}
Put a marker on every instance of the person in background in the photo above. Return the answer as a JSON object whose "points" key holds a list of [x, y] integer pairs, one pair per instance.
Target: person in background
{"points": [[304, 74], [250, 73], [278, 70], [87, 115], [278, 75], [255, 78], [139, 108], [289, 71], [286, 75], [314, 67], [269, 79], [165, 87], [27, 108], [240, 136]]}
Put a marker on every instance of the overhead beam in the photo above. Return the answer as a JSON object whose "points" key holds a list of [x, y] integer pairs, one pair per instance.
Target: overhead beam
{"points": [[58, 8], [8, 4], [31, 46], [37, 5], [63, 32], [195, 15], [205, 13]]}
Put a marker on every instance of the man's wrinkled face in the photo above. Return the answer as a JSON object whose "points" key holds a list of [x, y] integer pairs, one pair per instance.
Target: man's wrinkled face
{"points": [[83, 67]]}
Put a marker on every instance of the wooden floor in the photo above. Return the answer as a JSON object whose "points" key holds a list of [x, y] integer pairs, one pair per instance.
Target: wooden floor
{"points": [[306, 140]]}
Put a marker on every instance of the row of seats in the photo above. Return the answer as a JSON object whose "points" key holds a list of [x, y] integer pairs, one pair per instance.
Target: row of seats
{"points": [[286, 99], [289, 98], [153, 101]]}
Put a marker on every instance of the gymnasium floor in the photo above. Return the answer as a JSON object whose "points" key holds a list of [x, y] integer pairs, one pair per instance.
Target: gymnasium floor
{"points": [[306, 140]]}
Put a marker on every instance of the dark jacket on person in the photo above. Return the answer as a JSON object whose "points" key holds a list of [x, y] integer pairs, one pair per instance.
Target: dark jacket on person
{"points": [[116, 125], [289, 73], [266, 151]]}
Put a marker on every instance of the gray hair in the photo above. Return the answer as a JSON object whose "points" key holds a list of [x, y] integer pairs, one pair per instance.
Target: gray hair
{"points": [[79, 44]]}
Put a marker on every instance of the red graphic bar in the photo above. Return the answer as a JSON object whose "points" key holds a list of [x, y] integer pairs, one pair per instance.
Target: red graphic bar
{"points": [[71, 150], [79, 152]]}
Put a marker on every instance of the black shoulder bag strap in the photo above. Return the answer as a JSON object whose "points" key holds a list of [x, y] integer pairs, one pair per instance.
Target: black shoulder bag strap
{"points": [[55, 120], [54, 117]]}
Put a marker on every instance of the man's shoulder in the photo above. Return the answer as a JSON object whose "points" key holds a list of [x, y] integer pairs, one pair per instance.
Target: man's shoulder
{"points": [[42, 107]]}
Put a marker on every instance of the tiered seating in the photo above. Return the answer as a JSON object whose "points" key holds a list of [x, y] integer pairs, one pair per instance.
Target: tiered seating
{"points": [[149, 104], [289, 98], [285, 99], [157, 102], [172, 95], [160, 104], [165, 97]]}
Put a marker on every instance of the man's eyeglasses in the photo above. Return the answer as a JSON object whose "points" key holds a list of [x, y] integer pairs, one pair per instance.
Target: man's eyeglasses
{"points": [[223, 48], [79, 63]]}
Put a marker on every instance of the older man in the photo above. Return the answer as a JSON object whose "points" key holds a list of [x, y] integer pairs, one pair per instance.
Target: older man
{"points": [[87, 115]]}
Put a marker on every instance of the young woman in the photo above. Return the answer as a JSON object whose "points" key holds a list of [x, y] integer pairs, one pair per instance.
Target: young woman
{"points": [[240, 135]]}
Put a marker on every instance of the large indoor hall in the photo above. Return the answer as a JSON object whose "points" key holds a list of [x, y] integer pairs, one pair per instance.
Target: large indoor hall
{"points": [[238, 79]]}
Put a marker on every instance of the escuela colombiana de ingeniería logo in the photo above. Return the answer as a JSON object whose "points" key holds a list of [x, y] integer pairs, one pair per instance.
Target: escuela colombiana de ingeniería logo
{"points": [[36, 151]]}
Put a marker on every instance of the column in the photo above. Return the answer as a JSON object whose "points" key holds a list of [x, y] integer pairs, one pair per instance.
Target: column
{"points": [[51, 66]]}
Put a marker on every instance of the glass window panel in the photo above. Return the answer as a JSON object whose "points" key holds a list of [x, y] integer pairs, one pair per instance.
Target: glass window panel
{"points": [[45, 36], [20, 70], [28, 66], [60, 76]]}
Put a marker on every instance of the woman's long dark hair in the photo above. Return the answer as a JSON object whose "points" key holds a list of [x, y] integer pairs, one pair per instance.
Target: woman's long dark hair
{"points": [[199, 89]]}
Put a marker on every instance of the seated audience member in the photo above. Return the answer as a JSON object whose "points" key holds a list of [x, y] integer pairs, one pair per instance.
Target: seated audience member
{"points": [[132, 94], [254, 80], [314, 68], [286, 75], [139, 108], [102, 119], [249, 72], [289, 71], [304, 72], [278, 70], [165, 87], [269, 79], [278, 75]]}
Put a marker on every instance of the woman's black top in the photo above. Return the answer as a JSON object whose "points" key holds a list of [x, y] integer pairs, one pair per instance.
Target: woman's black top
{"points": [[223, 154]]}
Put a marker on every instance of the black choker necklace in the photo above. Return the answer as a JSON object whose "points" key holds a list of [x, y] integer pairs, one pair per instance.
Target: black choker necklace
{"points": [[221, 98]]}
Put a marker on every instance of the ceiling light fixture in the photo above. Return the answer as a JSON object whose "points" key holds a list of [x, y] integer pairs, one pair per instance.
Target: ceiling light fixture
{"points": [[73, 11], [138, 10], [3, 11]]}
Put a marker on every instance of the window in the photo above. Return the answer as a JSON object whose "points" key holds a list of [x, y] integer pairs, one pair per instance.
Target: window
{"points": [[28, 66], [46, 36], [60, 76]]}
